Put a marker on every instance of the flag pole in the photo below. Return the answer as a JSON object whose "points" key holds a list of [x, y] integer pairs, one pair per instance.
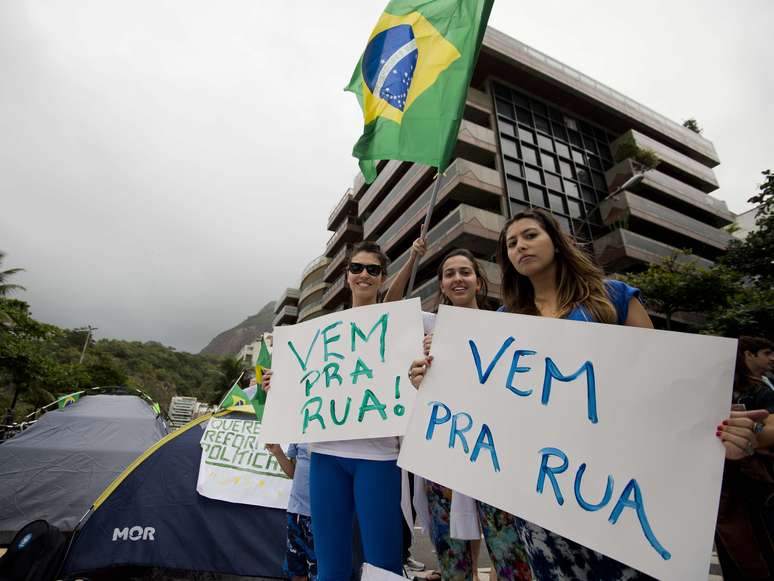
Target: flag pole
{"points": [[425, 228], [230, 388]]}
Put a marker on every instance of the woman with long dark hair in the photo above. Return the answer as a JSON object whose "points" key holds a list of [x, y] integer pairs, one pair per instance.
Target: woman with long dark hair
{"points": [[544, 273]]}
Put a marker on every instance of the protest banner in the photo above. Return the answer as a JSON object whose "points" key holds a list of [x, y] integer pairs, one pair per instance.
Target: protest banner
{"points": [[603, 434], [236, 467], [344, 376]]}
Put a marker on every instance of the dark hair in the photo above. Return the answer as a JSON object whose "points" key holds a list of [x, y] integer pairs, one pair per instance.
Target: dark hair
{"points": [[579, 280], [482, 298], [372, 248], [742, 380]]}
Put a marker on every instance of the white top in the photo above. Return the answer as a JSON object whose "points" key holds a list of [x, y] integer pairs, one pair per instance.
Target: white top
{"points": [[365, 449]]}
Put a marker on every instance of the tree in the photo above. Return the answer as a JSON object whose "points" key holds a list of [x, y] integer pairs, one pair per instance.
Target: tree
{"points": [[644, 159], [678, 284], [25, 363], [230, 369], [754, 256], [5, 287], [750, 311], [692, 125]]}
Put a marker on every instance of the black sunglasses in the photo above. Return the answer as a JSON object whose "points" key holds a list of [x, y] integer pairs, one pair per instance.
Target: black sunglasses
{"points": [[372, 269]]}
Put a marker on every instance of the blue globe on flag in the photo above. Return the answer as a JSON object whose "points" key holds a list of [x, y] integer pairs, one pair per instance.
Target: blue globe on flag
{"points": [[389, 62]]}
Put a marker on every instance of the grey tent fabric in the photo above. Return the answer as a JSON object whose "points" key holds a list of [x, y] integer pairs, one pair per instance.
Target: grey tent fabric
{"points": [[56, 468]]}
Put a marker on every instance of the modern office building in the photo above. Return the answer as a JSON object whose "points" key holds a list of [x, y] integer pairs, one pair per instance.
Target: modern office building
{"points": [[535, 133]]}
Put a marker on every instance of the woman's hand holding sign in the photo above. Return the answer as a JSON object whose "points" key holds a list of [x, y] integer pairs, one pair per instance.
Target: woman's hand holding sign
{"points": [[738, 433], [266, 380], [418, 370], [419, 367]]}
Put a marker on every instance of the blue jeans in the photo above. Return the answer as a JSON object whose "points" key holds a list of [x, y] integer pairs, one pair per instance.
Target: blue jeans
{"points": [[339, 489]]}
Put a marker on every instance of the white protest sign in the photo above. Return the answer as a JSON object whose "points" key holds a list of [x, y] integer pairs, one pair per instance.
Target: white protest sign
{"points": [[601, 433], [374, 573], [344, 376], [236, 467]]}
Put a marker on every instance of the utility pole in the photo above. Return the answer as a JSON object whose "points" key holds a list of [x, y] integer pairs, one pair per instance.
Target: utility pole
{"points": [[89, 330]]}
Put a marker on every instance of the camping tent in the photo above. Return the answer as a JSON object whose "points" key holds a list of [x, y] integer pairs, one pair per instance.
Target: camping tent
{"points": [[152, 516], [56, 468]]}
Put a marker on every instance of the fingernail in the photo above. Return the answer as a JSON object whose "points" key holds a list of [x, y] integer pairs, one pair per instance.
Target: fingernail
{"points": [[725, 422]]}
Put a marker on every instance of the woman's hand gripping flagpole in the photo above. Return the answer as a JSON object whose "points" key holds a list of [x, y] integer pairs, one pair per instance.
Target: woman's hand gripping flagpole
{"points": [[425, 228]]}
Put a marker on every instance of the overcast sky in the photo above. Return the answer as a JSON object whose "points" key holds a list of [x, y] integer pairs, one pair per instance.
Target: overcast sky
{"points": [[168, 167]]}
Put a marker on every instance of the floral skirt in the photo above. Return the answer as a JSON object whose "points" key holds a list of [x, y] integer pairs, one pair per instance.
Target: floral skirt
{"points": [[500, 534], [454, 556], [555, 558]]}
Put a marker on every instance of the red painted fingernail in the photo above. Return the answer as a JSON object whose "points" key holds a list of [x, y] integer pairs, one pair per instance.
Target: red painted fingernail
{"points": [[725, 422]]}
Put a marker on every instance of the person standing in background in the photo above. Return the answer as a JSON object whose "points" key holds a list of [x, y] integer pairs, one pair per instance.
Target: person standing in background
{"points": [[300, 560]]}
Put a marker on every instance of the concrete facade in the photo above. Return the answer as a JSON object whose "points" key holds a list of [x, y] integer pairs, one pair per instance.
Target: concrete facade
{"points": [[535, 133]]}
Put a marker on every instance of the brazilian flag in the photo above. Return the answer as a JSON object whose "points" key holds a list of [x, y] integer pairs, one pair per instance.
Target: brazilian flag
{"points": [[236, 397], [263, 362], [68, 400], [412, 80]]}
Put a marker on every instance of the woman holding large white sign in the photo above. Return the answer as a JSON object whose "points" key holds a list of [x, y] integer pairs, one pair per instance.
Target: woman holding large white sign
{"points": [[545, 274], [462, 283], [357, 476]]}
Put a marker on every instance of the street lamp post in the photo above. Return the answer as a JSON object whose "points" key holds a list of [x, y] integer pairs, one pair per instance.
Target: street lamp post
{"points": [[89, 330]]}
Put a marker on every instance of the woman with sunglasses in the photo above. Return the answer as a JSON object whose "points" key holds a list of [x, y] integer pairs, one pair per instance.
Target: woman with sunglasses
{"points": [[462, 283], [357, 477]]}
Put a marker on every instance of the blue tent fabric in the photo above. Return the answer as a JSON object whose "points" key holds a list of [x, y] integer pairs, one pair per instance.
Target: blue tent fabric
{"points": [[155, 518], [56, 468]]}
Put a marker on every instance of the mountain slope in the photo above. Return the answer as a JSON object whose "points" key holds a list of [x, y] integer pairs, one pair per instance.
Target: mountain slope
{"points": [[231, 341]]}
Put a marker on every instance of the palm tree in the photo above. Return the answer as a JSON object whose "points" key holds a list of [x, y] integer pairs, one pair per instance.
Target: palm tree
{"points": [[5, 287]]}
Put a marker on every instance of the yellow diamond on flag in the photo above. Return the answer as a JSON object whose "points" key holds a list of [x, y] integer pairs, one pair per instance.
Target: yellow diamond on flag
{"points": [[434, 55]]}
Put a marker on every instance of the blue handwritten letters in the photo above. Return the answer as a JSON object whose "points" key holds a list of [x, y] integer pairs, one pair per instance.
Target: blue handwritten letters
{"points": [[532, 374]]}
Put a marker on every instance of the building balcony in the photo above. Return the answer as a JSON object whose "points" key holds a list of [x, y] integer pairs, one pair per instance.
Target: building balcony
{"points": [[311, 269], [518, 56], [622, 249], [478, 107], [311, 311], [359, 186], [349, 231], [311, 293], [417, 176], [287, 315], [288, 298], [673, 193], [336, 294], [678, 229], [346, 207], [383, 182], [464, 227], [336, 265], [465, 182], [673, 162], [476, 143]]}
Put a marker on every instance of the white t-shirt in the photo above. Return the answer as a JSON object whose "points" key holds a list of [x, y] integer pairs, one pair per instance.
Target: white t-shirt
{"points": [[366, 449]]}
